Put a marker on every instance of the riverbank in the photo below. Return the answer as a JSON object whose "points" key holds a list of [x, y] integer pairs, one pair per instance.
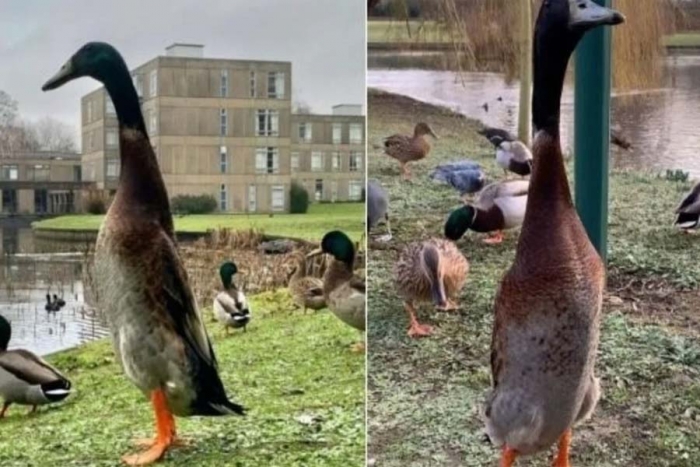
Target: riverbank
{"points": [[295, 373], [649, 356], [321, 218]]}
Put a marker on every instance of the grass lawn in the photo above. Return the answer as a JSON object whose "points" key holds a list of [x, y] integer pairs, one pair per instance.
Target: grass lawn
{"points": [[321, 218], [303, 387], [425, 395], [685, 39], [382, 31]]}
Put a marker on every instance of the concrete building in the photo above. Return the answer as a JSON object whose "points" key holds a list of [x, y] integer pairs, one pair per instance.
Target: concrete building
{"points": [[225, 128], [41, 183]]}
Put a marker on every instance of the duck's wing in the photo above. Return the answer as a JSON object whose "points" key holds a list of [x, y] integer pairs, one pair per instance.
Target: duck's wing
{"points": [[29, 368], [397, 140], [226, 303], [176, 305], [691, 203], [507, 189], [313, 287]]}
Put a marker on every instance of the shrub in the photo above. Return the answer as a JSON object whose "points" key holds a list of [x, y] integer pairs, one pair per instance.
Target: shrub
{"points": [[95, 203], [193, 204], [298, 199]]}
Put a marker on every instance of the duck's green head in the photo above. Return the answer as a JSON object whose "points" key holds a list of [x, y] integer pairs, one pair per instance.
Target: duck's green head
{"points": [[338, 245], [459, 222], [5, 333], [227, 271], [98, 60]]}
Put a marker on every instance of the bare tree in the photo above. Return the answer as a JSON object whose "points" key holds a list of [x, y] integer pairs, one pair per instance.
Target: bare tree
{"points": [[8, 109], [301, 107], [52, 135]]}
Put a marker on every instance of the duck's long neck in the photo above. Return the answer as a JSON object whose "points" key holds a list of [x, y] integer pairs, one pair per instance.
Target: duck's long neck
{"points": [[141, 185]]}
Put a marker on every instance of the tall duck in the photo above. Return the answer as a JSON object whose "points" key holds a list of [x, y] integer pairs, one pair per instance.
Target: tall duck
{"points": [[25, 378], [142, 286], [548, 307]]}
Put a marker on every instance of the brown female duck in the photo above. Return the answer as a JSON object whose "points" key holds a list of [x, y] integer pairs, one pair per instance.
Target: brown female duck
{"points": [[142, 286], [430, 271], [307, 291], [547, 310], [407, 149]]}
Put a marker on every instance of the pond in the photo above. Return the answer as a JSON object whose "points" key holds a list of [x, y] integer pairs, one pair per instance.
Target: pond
{"points": [[660, 123], [29, 269]]}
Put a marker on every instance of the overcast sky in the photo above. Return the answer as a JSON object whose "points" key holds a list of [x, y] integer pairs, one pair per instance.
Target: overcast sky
{"points": [[324, 40]]}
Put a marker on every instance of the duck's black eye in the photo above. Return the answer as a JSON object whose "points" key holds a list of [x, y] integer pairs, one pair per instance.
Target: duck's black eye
{"points": [[582, 6]]}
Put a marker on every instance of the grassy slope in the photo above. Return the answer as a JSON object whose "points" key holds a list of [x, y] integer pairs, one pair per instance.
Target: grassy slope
{"points": [[381, 31], [649, 357], [311, 226], [285, 366]]}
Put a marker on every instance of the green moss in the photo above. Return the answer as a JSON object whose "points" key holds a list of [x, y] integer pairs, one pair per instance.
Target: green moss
{"points": [[425, 395], [295, 373]]}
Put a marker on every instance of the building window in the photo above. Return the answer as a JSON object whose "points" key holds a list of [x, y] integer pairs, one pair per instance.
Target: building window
{"points": [[253, 85], [268, 123], [355, 133], [267, 160], [318, 189], [355, 190], [335, 161], [152, 122], [39, 173], [294, 162], [316, 161], [223, 159], [111, 138], [138, 85], [77, 173], [153, 83], [223, 122], [89, 111], [275, 85], [109, 106], [224, 83], [305, 132], [334, 190], [355, 161], [112, 168], [252, 198], [277, 198], [337, 133], [223, 199], [10, 172]]}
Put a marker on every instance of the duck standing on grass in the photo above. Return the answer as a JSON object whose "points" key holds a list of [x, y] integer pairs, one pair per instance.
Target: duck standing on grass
{"points": [[407, 149], [230, 305], [25, 378], [430, 271], [343, 289], [141, 283], [514, 156], [548, 306]]}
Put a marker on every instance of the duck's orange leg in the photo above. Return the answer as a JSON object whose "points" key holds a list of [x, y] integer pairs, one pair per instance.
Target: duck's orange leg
{"points": [[416, 329], [562, 459], [165, 433], [495, 239], [508, 457], [4, 409]]}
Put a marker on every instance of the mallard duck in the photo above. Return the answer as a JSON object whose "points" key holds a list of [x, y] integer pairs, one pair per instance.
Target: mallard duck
{"points": [[407, 149], [51, 305], [25, 378], [467, 177], [500, 206], [378, 208], [230, 305], [307, 291], [141, 283], [548, 306], [430, 271], [343, 289], [688, 212], [514, 156], [496, 135]]}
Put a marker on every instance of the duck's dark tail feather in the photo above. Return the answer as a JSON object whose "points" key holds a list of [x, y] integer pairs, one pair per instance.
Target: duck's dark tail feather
{"points": [[211, 399], [687, 221], [56, 391]]}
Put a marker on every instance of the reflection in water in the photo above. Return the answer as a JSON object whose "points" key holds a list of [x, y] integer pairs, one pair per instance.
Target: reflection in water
{"points": [[29, 269], [660, 123]]}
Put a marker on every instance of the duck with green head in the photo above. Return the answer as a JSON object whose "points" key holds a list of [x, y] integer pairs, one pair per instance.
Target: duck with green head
{"points": [[141, 284], [548, 306], [230, 305], [343, 289], [26, 378]]}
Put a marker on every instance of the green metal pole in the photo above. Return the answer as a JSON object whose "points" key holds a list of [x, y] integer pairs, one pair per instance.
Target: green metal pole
{"points": [[592, 132]]}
